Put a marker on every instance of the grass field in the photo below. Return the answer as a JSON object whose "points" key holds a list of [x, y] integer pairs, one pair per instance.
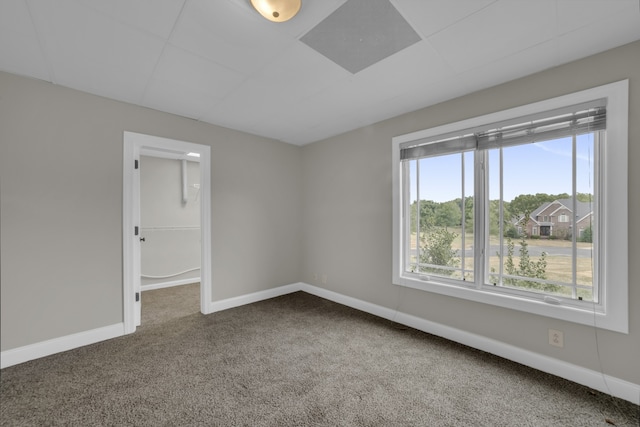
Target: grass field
{"points": [[559, 268]]}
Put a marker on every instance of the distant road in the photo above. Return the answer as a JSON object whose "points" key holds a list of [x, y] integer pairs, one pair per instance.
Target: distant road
{"points": [[536, 251], [551, 251]]}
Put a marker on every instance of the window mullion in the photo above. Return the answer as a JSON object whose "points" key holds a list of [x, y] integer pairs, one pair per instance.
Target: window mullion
{"points": [[406, 215], [501, 219], [463, 220], [574, 226], [418, 218], [480, 208], [598, 221]]}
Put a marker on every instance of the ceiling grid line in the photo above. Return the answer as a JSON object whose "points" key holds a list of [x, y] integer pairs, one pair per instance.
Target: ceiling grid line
{"points": [[161, 55], [43, 51]]}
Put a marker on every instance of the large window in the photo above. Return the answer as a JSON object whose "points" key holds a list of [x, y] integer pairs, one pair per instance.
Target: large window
{"points": [[520, 208]]}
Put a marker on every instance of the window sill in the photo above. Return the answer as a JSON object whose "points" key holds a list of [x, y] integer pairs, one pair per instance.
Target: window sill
{"points": [[590, 314]]}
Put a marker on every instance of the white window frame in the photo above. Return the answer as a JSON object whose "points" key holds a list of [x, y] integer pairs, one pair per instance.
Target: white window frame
{"points": [[612, 310]]}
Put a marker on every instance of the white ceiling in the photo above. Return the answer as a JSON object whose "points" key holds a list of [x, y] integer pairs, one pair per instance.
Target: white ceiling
{"points": [[220, 62]]}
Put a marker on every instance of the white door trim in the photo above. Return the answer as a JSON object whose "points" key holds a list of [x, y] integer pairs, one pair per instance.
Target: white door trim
{"points": [[134, 144]]}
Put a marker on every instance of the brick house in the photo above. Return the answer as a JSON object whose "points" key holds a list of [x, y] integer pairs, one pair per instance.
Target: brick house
{"points": [[554, 219]]}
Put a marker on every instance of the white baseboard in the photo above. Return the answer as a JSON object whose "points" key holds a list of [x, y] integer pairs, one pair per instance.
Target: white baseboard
{"points": [[171, 284], [587, 377], [57, 345], [253, 297]]}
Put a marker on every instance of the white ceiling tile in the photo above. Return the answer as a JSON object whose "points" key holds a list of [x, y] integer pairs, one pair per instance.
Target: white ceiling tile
{"points": [[339, 124], [310, 126], [253, 111], [417, 69], [429, 17], [154, 16], [189, 80], [228, 35], [427, 94], [259, 108], [339, 100], [92, 52], [520, 64], [246, 106], [405, 71], [298, 72], [614, 30], [573, 14], [20, 50], [499, 30], [310, 14], [358, 98]]}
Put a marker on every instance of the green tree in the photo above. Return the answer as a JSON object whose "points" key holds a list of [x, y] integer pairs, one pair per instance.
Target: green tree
{"points": [[468, 213], [587, 235], [584, 197], [530, 202], [448, 214], [436, 249], [494, 217], [427, 214], [526, 268], [511, 231], [445, 214]]}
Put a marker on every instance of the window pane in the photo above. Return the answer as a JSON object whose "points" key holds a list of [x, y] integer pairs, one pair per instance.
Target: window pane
{"points": [[468, 243], [532, 247], [411, 258], [495, 267], [440, 230], [585, 216]]}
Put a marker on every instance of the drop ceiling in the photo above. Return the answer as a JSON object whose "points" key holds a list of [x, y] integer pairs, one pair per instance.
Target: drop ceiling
{"points": [[220, 62]]}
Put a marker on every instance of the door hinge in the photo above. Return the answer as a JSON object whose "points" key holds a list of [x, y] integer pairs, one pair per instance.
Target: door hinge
{"points": [[135, 230], [137, 296], [135, 164]]}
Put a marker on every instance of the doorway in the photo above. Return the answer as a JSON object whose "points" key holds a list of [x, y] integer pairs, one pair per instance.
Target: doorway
{"points": [[169, 220], [135, 145]]}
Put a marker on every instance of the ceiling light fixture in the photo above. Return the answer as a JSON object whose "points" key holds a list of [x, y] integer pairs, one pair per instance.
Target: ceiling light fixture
{"points": [[277, 10]]}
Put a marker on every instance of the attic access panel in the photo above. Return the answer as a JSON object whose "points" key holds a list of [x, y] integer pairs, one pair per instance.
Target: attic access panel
{"points": [[361, 33]]}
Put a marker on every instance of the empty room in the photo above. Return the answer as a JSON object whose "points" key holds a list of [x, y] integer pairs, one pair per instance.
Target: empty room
{"points": [[320, 212]]}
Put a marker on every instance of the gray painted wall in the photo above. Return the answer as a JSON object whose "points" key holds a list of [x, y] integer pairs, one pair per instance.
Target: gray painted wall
{"points": [[170, 227], [280, 213], [347, 219], [61, 208]]}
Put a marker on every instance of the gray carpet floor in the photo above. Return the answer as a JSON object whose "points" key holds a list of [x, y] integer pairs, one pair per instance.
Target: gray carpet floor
{"points": [[163, 305], [295, 360]]}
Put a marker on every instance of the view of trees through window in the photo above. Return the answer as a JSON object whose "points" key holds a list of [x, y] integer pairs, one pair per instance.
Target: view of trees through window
{"points": [[538, 216]]}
